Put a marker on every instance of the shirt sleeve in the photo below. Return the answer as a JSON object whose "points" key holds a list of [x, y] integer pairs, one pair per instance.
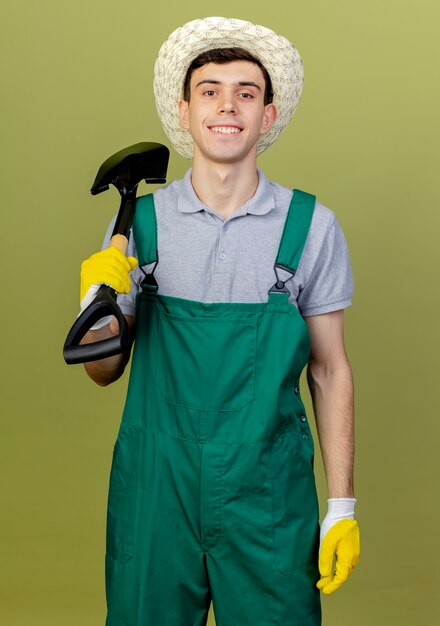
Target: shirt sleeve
{"points": [[330, 285]]}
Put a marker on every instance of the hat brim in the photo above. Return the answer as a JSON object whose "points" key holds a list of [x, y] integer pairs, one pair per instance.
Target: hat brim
{"points": [[280, 58]]}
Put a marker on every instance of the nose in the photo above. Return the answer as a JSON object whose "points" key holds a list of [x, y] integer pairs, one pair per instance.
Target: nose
{"points": [[226, 105], [227, 108]]}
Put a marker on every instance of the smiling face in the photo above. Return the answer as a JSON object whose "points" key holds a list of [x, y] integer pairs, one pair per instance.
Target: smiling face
{"points": [[226, 113]]}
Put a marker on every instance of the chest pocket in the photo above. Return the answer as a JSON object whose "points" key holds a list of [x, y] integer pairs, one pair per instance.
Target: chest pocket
{"points": [[206, 363]]}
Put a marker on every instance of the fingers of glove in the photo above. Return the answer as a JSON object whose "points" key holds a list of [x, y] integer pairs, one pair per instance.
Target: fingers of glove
{"points": [[322, 582], [109, 266], [332, 586], [343, 571], [328, 584], [132, 261], [326, 554], [111, 257], [119, 282], [341, 541]]}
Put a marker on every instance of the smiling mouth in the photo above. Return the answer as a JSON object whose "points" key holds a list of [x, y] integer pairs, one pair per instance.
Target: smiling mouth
{"points": [[225, 130]]}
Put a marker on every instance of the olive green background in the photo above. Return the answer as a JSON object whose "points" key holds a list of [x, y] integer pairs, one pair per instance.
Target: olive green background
{"points": [[76, 87]]}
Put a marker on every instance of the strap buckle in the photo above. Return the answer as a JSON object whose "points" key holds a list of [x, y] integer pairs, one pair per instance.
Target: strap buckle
{"points": [[280, 285], [149, 282]]}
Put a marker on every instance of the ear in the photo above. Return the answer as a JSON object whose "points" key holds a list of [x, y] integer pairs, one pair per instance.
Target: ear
{"points": [[184, 114], [269, 117]]}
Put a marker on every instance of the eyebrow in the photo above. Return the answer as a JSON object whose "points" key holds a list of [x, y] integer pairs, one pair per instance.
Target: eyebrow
{"points": [[241, 83]]}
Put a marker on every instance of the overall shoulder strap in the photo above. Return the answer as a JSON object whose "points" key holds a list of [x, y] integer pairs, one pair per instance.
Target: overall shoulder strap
{"points": [[296, 229], [293, 239], [145, 229]]}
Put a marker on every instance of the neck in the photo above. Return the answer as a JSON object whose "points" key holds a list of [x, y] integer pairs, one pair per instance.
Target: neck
{"points": [[224, 187]]}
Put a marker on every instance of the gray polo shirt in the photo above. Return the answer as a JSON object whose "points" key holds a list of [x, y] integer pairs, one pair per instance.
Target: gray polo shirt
{"points": [[207, 258]]}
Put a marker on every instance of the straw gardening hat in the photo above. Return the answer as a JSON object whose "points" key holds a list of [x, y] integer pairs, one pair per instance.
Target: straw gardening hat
{"points": [[276, 53]]}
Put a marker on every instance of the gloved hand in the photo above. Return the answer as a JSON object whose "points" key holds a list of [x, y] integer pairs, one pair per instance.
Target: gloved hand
{"points": [[110, 267], [339, 539]]}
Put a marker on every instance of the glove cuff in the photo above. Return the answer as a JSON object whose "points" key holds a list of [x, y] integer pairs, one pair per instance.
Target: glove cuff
{"points": [[341, 507], [338, 509]]}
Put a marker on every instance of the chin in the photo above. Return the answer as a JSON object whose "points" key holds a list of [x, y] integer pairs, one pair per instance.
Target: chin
{"points": [[227, 157]]}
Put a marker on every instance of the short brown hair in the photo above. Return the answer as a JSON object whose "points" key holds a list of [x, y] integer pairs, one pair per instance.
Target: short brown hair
{"points": [[220, 56]]}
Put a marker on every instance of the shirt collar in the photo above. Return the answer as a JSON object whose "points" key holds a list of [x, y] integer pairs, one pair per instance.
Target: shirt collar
{"points": [[261, 203]]}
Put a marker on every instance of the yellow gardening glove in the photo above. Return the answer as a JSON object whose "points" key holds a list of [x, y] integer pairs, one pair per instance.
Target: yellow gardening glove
{"points": [[111, 267], [342, 542]]}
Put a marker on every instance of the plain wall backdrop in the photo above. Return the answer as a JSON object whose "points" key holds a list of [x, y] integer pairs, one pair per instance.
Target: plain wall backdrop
{"points": [[77, 87]]}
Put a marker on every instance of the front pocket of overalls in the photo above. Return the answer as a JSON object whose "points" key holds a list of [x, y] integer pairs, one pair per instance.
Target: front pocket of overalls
{"points": [[295, 507], [122, 497], [206, 363]]}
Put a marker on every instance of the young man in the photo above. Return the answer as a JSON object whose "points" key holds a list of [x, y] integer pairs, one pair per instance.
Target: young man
{"points": [[212, 492]]}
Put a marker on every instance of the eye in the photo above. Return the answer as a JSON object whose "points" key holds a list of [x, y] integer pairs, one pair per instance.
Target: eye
{"points": [[246, 95], [210, 92]]}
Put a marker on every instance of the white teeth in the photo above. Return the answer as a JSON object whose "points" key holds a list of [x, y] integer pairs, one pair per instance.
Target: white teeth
{"points": [[229, 130]]}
